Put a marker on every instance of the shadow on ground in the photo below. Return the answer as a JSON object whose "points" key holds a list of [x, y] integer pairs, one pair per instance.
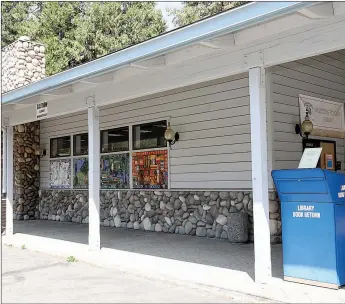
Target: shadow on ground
{"points": [[212, 252]]}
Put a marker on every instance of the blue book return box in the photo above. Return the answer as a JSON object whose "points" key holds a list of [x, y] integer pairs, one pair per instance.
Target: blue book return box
{"points": [[313, 225]]}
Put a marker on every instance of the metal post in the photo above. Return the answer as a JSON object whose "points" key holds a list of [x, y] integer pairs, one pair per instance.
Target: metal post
{"points": [[9, 196], [94, 178], [262, 246]]}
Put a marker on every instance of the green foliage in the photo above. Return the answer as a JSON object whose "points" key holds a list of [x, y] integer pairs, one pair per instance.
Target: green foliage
{"points": [[196, 10], [71, 259], [55, 28], [111, 26], [15, 19], [23, 247], [77, 32]]}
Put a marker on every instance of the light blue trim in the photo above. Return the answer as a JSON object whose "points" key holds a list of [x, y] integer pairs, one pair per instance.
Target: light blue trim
{"points": [[226, 22]]}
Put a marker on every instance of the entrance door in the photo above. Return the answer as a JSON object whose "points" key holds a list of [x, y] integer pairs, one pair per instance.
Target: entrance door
{"points": [[328, 154]]}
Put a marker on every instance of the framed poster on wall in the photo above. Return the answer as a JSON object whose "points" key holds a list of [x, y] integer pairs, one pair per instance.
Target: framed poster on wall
{"points": [[115, 171], [60, 174], [80, 173], [150, 169]]}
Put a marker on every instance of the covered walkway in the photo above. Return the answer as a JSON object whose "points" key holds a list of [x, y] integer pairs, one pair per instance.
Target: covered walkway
{"points": [[205, 251]]}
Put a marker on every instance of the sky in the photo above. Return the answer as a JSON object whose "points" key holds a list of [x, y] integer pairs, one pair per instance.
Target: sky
{"points": [[163, 5]]}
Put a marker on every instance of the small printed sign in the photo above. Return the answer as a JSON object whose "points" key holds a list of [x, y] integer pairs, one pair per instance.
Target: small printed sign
{"points": [[41, 110], [310, 158]]}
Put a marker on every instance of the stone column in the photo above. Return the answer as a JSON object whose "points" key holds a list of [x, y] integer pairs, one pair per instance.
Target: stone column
{"points": [[23, 62], [26, 152]]}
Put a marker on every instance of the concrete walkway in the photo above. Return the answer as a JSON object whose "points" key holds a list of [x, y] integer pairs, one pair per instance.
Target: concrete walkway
{"points": [[32, 277], [211, 252], [191, 260]]}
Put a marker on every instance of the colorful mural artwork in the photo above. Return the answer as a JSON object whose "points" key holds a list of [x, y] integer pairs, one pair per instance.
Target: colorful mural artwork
{"points": [[150, 169], [80, 173], [115, 171], [60, 174]]}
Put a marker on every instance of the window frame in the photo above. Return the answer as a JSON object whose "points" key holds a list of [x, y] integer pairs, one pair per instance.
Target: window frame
{"points": [[50, 147], [147, 123], [130, 151], [110, 129], [74, 145]]}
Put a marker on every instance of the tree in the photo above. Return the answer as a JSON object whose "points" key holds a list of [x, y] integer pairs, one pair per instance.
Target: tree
{"points": [[110, 26], [196, 10], [55, 27], [15, 18], [76, 32]]}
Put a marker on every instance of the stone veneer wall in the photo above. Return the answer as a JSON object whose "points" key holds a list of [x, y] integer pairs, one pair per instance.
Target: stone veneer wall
{"points": [[26, 159], [200, 213], [23, 62]]}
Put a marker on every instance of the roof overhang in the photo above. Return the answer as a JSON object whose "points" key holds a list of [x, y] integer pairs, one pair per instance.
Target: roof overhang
{"points": [[142, 55], [258, 34]]}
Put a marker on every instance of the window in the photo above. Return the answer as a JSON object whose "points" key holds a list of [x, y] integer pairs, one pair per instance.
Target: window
{"points": [[139, 163], [60, 147], [149, 135], [80, 144], [115, 140]]}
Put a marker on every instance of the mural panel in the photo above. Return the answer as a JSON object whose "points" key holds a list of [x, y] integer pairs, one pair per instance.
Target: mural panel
{"points": [[150, 169], [60, 174], [81, 173], [115, 171]]}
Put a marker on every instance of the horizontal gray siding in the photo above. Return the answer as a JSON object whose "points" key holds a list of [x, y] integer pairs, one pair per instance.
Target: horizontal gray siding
{"points": [[322, 77], [212, 119]]}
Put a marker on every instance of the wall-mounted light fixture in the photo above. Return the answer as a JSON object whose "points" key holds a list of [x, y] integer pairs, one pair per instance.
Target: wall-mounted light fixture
{"points": [[170, 135], [305, 128], [43, 153]]}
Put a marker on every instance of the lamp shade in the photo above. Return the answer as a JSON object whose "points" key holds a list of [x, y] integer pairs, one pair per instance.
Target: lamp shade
{"points": [[307, 125], [169, 134]]}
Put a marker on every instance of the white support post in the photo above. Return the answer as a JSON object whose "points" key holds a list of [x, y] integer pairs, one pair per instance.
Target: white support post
{"points": [[4, 160], [9, 183], [94, 178], [262, 246]]}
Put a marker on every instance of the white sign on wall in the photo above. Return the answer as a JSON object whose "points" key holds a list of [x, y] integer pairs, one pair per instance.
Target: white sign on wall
{"points": [[327, 116], [41, 110]]}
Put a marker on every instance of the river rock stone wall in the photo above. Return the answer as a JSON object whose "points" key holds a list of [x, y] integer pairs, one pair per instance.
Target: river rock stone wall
{"points": [[23, 62], [226, 215], [26, 158]]}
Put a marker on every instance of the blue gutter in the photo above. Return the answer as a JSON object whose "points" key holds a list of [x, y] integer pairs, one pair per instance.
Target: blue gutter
{"points": [[226, 22]]}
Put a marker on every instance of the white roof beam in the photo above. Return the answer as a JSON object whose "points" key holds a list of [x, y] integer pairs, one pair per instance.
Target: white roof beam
{"points": [[225, 41], [60, 91], [108, 77], [34, 99], [319, 11], [187, 53], [155, 62]]}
